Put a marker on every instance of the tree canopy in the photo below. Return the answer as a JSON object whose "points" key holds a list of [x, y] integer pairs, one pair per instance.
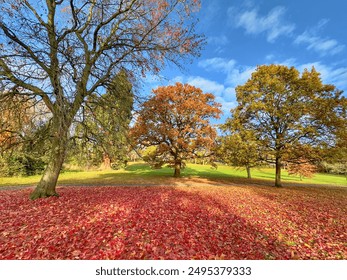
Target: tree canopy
{"points": [[22, 135], [239, 147], [104, 124], [176, 119], [287, 110]]}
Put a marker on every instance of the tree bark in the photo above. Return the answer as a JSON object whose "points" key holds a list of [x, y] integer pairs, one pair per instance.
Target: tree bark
{"points": [[107, 161], [178, 165], [278, 182], [47, 185], [248, 172]]}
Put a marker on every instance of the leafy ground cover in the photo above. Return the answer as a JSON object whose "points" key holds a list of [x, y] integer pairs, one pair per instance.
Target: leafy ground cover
{"points": [[177, 222], [137, 173]]}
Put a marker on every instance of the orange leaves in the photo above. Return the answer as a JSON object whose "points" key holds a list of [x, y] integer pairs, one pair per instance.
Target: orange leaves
{"points": [[176, 118], [301, 167]]}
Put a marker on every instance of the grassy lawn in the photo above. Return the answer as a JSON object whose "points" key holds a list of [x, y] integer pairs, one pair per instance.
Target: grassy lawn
{"points": [[141, 173]]}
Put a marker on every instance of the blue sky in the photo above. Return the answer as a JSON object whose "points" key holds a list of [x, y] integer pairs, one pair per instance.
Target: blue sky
{"points": [[243, 34]]}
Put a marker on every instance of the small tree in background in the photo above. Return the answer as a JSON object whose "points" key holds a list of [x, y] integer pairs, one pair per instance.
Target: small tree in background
{"points": [[236, 150], [153, 158], [335, 157], [176, 120]]}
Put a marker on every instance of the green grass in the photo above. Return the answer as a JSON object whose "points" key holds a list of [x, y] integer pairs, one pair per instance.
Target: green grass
{"points": [[141, 173]]}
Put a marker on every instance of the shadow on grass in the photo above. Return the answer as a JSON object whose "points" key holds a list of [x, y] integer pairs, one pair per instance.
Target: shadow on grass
{"points": [[138, 167], [187, 172], [270, 175], [198, 171], [208, 173]]}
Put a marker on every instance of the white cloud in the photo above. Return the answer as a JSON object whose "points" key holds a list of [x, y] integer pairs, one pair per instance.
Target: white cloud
{"points": [[273, 24], [240, 75], [226, 105], [177, 79], [323, 46], [229, 94], [329, 74], [270, 57], [206, 85], [224, 95], [217, 63], [221, 40], [210, 12], [235, 74]]}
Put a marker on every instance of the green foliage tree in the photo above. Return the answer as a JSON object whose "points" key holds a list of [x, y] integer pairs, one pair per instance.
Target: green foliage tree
{"points": [[22, 135], [62, 52], [335, 156], [176, 120], [102, 132], [155, 159], [286, 110], [239, 148]]}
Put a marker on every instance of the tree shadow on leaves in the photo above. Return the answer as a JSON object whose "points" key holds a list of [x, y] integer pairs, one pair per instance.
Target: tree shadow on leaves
{"points": [[142, 223]]}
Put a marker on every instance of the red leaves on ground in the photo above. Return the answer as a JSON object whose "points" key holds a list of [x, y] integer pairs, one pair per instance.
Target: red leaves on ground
{"points": [[175, 223]]}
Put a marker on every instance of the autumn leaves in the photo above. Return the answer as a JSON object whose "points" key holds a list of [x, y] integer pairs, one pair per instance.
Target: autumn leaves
{"points": [[176, 121], [282, 116]]}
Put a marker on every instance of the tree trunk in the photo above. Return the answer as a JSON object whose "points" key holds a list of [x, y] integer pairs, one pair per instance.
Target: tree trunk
{"points": [[278, 182], [47, 185], [177, 168], [107, 161], [248, 172]]}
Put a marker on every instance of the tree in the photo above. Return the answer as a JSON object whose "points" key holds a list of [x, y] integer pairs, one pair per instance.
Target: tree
{"points": [[335, 156], [286, 110], [16, 119], [301, 167], [153, 158], [104, 122], [22, 134], [62, 52], [176, 120], [239, 149]]}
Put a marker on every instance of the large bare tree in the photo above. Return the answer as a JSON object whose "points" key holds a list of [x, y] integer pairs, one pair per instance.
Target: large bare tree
{"points": [[62, 51]]}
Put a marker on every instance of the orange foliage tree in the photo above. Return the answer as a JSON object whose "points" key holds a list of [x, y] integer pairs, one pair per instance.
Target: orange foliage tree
{"points": [[302, 167], [176, 120]]}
